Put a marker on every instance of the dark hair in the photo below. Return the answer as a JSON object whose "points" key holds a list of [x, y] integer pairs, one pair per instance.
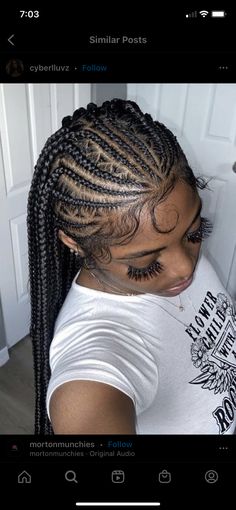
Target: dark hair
{"points": [[103, 160]]}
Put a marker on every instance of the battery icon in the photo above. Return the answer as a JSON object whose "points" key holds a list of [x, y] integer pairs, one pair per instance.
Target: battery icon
{"points": [[218, 14]]}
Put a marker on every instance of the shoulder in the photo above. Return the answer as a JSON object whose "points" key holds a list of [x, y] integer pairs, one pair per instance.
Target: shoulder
{"points": [[90, 407]]}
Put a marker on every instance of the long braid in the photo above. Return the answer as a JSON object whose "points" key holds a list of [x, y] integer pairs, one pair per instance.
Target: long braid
{"points": [[103, 160]]}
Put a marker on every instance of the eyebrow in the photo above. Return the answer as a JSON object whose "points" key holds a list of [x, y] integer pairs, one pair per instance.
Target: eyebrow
{"points": [[144, 253]]}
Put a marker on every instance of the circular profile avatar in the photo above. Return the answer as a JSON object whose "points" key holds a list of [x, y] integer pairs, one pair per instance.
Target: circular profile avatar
{"points": [[15, 67]]}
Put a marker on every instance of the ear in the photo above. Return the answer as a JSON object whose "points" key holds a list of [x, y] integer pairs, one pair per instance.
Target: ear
{"points": [[70, 243]]}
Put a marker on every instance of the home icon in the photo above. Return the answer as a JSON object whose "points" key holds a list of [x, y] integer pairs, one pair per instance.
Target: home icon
{"points": [[24, 477]]}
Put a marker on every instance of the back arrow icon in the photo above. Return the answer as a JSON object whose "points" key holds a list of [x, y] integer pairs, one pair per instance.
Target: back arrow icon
{"points": [[9, 40]]}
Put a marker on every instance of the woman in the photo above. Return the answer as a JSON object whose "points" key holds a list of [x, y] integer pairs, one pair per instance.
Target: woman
{"points": [[132, 330]]}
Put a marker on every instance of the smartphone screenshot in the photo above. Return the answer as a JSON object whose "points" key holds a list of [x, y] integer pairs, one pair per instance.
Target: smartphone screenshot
{"points": [[118, 256]]}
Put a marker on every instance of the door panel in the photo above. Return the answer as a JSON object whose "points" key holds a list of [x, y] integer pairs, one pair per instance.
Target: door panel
{"points": [[29, 114]]}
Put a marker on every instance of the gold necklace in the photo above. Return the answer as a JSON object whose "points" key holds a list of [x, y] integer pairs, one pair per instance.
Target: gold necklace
{"points": [[180, 306], [167, 311]]}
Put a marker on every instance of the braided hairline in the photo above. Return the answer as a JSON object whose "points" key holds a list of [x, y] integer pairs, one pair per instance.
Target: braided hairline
{"points": [[95, 170], [162, 137], [145, 164], [121, 139], [83, 182], [118, 154], [146, 146], [146, 123], [75, 155]]}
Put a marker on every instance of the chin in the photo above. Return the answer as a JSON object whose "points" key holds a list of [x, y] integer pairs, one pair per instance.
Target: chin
{"points": [[166, 293], [171, 293]]}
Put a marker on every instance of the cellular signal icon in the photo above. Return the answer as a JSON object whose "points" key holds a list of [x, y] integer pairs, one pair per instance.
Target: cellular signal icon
{"points": [[204, 13], [191, 15]]}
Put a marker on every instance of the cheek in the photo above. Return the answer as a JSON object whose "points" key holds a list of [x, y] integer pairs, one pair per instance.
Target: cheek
{"points": [[186, 255], [194, 248], [112, 269], [191, 250]]}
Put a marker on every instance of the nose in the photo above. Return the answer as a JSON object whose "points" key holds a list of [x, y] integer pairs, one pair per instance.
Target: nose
{"points": [[181, 266]]}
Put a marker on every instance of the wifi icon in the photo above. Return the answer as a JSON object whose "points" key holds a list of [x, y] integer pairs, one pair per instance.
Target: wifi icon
{"points": [[204, 13]]}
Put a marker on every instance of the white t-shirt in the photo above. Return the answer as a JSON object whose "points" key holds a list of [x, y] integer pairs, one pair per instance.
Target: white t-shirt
{"points": [[178, 367]]}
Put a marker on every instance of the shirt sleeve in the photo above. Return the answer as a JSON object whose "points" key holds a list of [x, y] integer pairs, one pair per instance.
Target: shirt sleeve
{"points": [[112, 354]]}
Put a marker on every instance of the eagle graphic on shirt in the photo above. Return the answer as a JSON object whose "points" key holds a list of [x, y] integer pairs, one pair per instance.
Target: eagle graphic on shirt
{"points": [[214, 353]]}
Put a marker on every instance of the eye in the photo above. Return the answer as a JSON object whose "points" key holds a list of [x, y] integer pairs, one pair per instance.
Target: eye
{"points": [[137, 273], [203, 231]]}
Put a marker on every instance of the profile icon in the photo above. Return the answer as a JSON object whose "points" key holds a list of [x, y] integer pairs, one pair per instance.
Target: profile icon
{"points": [[15, 67]]}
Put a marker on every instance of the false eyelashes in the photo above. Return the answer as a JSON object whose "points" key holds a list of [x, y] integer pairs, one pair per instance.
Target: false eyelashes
{"points": [[201, 233], [155, 268], [145, 273]]}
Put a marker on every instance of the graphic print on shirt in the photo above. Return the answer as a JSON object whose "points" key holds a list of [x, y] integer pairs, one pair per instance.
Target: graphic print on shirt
{"points": [[214, 353]]}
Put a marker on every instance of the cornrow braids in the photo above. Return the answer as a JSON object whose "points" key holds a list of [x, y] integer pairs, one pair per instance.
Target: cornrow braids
{"points": [[92, 179]]}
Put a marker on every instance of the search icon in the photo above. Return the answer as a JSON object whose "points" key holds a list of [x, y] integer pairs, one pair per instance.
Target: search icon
{"points": [[70, 476]]}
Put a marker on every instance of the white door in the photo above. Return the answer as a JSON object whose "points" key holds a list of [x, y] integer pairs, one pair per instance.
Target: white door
{"points": [[203, 117], [29, 114]]}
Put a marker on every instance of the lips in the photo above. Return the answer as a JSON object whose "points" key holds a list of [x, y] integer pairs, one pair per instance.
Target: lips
{"points": [[183, 285]]}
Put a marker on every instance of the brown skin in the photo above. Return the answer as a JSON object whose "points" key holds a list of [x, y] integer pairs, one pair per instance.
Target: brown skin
{"points": [[90, 407]]}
